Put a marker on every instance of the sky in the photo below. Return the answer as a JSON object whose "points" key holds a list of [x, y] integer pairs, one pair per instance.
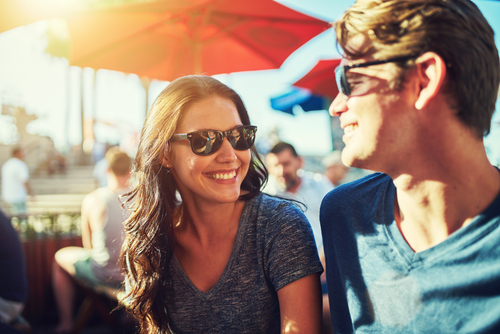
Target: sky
{"points": [[33, 79]]}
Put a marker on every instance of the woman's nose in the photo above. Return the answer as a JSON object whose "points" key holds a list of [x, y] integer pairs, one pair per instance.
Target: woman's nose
{"points": [[226, 152]]}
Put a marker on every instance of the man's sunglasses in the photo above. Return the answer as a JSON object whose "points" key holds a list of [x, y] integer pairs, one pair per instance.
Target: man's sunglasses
{"points": [[206, 142], [341, 77]]}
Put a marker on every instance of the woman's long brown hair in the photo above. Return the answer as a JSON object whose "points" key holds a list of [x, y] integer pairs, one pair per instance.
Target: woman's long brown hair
{"points": [[149, 243]]}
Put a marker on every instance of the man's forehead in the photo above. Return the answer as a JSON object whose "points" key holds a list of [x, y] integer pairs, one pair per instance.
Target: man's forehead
{"points": [[358, 44]]}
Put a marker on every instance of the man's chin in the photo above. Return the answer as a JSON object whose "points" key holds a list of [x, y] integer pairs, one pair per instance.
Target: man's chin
{"points": [[290, 183]]}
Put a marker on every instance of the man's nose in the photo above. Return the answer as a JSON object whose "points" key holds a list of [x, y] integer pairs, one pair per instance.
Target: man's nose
{"points": [[338, 106]]}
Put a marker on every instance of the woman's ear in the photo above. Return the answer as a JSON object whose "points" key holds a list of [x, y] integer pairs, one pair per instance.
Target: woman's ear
{"points": [[165, 163], [430, 73]]}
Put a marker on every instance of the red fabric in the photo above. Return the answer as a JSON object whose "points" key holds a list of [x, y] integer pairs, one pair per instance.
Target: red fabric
{"points": [[167, 39], [321, 79]]}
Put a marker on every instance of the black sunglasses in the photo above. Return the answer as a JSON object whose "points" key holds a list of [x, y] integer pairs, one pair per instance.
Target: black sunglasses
{"points": [[341, 78], [206, 142]]}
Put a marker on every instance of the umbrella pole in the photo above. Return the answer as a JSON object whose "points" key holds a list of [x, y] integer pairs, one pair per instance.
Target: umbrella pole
{"points": [[81, 157], [145, 84], [68, 108]]}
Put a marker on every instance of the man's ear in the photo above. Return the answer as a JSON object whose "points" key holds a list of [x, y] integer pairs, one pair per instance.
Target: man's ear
{"points": [[430, 73], [301, 161]]}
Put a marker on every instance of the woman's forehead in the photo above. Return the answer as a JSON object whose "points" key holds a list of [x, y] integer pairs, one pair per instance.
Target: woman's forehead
{"points": [[211, 113]]}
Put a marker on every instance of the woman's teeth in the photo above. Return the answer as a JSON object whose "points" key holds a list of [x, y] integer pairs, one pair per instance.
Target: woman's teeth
{"points": [[220, 176]]}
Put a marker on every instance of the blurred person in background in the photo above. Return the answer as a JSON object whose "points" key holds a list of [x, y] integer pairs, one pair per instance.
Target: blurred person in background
{"points": [[284, 164], [415, 248], [102, 228], [335, 170], [15, 182], [13, 279], [225, 258], [101, 166]]}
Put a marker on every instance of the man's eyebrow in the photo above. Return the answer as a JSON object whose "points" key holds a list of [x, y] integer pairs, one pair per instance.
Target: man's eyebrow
{"points": [[354, 75]]}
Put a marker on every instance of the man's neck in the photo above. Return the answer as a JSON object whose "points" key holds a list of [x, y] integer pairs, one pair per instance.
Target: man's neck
{"points": [[292, 187], [428, 209], [117, 182]]}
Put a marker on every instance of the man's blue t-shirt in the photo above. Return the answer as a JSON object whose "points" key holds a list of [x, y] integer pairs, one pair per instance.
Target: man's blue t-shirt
{"points": [[378, 284]]}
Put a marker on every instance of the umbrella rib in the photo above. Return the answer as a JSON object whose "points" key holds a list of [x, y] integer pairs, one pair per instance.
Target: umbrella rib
{"points": [[241, 18], [236, 18], [225, 29], [313, 20]]}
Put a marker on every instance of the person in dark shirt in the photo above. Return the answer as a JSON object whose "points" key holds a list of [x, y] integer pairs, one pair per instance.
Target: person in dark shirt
{"points": [[13, 279]]}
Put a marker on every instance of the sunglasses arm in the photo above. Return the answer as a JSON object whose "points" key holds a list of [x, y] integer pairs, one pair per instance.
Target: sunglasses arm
{"points": [[178, 137]]}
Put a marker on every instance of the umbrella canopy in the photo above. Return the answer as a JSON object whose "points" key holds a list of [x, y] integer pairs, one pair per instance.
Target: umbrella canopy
{"points": [[321, 79], [170, 38], [297, 96]]}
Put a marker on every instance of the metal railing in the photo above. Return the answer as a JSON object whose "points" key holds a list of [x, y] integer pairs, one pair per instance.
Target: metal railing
{"points": [[48, 225]]}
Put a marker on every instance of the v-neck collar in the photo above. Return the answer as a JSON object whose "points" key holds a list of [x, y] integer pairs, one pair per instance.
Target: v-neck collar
{"points": [[240, 234], [461, 238]]}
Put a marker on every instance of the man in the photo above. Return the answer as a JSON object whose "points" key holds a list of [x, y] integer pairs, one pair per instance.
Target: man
{"points": [[102, 226], [284, 163], [415, 248], [335, 170], [15, 185]]}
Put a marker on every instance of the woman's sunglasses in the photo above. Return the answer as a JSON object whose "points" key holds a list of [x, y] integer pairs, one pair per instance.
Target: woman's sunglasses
{"points": [[206, 142]]}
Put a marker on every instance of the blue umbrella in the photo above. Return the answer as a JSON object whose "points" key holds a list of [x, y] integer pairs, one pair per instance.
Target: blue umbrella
{"points": [[301, 97]]}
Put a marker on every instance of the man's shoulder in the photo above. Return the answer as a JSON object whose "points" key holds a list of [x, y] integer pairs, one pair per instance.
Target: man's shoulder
{"points": [[95, 197], [361, 189], [10, 162], [14, 165]]}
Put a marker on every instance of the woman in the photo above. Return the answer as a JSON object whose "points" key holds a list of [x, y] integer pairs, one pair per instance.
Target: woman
{"points": [[225, 259]]}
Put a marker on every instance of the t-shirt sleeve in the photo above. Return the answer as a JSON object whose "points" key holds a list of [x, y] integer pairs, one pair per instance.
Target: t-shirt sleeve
{"points": [[291, 252]]}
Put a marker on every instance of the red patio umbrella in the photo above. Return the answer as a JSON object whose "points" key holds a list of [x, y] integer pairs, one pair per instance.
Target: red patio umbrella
{"points": [[320, 80], [170, 38]]}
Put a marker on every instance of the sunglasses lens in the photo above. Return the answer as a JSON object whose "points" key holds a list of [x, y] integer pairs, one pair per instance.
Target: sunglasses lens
{"points": [[205, 142], [242, 138], [339, 73]]}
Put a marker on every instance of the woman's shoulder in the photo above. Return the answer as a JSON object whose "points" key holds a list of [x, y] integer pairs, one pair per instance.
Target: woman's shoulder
{"points": [[271, 213], [267, 204]]}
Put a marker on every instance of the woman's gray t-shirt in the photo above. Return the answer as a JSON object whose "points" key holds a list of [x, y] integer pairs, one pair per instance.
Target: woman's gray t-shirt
{"points": [[274, 246]]}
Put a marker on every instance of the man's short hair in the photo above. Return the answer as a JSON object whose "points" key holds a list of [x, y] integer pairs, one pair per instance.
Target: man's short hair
{"points": [[454, 29], [119, 161], [281, 146]]}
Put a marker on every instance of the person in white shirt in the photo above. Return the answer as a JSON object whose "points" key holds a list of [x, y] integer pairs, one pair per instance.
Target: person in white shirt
{"points": [[15, 185], [284, 164]]}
